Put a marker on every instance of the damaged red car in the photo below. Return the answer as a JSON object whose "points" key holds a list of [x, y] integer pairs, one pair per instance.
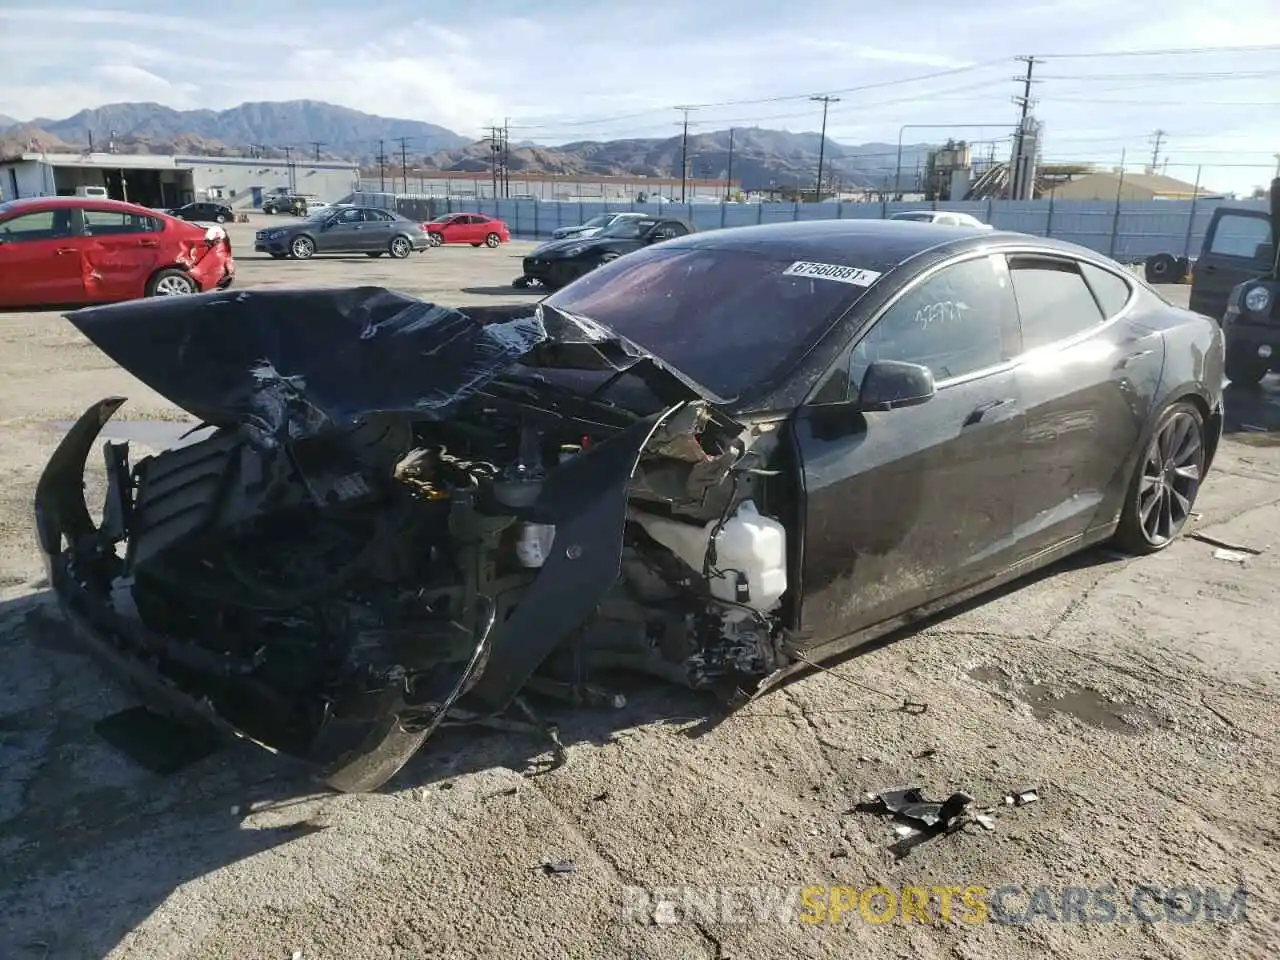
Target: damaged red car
{"points": [[57, 251], [712, 461]]}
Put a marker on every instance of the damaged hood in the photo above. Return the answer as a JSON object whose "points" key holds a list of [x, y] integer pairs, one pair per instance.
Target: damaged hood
{"points": [[289, 363]]}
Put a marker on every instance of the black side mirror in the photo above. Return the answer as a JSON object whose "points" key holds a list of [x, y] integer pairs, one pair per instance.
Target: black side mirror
{"points": [[889, 384]]}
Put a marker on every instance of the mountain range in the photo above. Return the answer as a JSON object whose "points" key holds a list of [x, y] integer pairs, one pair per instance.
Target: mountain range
{"points": [[760, 157]]}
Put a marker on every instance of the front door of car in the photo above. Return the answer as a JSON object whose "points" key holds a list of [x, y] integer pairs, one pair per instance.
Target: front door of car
{"points": [[120, 252], [905, 505], [40, 260], [343, 233], [1237, 247], [1086, 381]]}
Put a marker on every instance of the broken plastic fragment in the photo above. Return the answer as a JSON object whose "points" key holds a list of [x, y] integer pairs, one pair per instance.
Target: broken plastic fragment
{"points": [[1020, 798]]}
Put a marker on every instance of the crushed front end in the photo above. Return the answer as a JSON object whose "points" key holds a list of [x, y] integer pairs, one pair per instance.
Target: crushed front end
{"points": [[331, 571]]}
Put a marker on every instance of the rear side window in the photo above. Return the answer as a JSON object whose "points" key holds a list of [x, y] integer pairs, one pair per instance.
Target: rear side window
{"points": [[1111, 291], [1239, 236], [1054, 301], [106, 223]]}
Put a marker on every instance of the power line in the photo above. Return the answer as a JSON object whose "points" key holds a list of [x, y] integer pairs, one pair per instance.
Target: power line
{"points": [[1166, 52]]}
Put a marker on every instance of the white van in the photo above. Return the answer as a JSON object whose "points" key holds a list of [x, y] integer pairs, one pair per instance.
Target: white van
{"points": [[96, 193]]}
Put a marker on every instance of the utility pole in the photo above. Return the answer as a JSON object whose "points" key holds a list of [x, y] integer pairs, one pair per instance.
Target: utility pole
{"points": [[506, 157], [316, 145], [495, 150], [404, 160], [684, 155], [1278, 166], [729, 176], [826, 102], [1024, 102], [382, 166], [288, 166], [1157, 139]]}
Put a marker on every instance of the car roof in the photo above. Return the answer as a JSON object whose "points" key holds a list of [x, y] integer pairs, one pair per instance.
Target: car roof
{"points": [[869, 244], [71, 203]]}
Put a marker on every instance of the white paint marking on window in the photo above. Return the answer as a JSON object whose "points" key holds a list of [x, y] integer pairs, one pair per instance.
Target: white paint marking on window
{"points": [[832, 271]]}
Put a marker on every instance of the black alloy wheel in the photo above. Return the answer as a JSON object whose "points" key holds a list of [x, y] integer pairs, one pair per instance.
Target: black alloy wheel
{"points": [[1165, 485]]}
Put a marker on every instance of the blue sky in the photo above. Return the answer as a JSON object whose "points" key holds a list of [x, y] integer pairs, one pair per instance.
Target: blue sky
{"points": [[576, 70]]}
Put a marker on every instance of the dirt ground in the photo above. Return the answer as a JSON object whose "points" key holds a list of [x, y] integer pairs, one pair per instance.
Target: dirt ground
{"points": [[1140, 697]]}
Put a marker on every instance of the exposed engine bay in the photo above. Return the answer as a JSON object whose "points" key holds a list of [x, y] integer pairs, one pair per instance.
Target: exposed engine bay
{"points": [[334, 592]]}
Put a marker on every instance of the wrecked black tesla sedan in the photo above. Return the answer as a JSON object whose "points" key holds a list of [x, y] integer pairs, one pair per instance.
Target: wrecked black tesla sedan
{"points": [[711, 461]]}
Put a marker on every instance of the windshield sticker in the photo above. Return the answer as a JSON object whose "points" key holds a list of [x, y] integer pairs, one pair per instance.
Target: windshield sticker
{"points": [[832, 271]]}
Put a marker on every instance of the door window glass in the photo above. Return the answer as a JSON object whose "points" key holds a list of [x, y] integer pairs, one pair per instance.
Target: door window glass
{"points": [[1237, 236], [1054, 302], [105, 223], [350, 216], [42, 225], [1112, 291], [954, 323]]}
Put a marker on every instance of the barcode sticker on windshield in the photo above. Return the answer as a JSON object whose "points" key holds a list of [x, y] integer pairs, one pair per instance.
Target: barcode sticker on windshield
{"points": [[832, 271]]}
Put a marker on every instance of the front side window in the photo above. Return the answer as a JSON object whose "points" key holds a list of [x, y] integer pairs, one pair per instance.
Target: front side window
{"points": [[955, 323], [1054, 302], [42, 225], [1239, 236]]}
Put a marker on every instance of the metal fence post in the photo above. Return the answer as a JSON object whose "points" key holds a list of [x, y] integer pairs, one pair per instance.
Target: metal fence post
{"points": [[1191, 218], [990, 211], [795, 210], [536, 232], [839, 209], [723, 209], [1048, 221], [759, 213]]}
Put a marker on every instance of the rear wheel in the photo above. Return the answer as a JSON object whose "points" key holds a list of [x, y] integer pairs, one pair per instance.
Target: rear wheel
{"points": [[219, 219], [492, 241], [1245, 370], [302, 248], [1164, 486], [400, 247], [171, 283]]}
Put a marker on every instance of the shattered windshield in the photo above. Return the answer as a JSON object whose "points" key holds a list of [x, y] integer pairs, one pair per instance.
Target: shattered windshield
{"points": [[727, 319]]}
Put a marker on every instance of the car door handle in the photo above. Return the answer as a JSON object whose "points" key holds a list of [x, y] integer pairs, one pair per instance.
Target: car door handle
{"points": [[148, 243], [61, 250], [980, 411]]}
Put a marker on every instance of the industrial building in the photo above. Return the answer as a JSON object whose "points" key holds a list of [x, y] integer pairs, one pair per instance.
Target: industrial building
{"points": [[1129, 187], [546, 186], [170, 181]]}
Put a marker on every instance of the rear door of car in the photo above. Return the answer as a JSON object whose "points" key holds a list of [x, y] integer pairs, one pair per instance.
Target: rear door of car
{"points": [[379, 227], [906, 505], [1084, 382], [1235, 249], [121, 250], [40, 259]]}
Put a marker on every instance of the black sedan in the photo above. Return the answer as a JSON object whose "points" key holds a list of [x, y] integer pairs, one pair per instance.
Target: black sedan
{"points": [[713, 461], [204, 212], [560, 262], [344, 229]]}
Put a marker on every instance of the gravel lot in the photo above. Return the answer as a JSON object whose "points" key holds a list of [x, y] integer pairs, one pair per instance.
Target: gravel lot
{"points": [[1139, 696]]}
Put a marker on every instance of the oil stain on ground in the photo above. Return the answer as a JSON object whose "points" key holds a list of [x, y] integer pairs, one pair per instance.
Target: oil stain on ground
{"points": [[1086, 705]]}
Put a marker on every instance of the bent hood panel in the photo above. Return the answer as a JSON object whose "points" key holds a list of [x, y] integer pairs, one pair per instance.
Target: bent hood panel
{"points": [[308, 357]]}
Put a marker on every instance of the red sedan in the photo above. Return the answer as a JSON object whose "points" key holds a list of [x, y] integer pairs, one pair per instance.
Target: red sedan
{"points": [[58, 251], [473, 228]]}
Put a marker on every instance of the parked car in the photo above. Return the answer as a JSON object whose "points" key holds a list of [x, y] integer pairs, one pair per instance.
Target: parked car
{"points": [[560, 262], [943, 218], [205, 212], [366, 230], [1251, 320], [1238, 245], [591, 227], [473, 228], [75, 250], [286, 203], [714, 460]]}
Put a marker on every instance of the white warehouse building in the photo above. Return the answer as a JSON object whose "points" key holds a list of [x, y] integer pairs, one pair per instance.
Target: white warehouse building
{"points": [[170, 181]]}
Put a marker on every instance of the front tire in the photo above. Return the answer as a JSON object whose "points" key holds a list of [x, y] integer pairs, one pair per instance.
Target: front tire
{"points": [[302, 248], [492, 241], [1163, 490], [219, 219], [1245, 370], [171, 283], [400, 247]]}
